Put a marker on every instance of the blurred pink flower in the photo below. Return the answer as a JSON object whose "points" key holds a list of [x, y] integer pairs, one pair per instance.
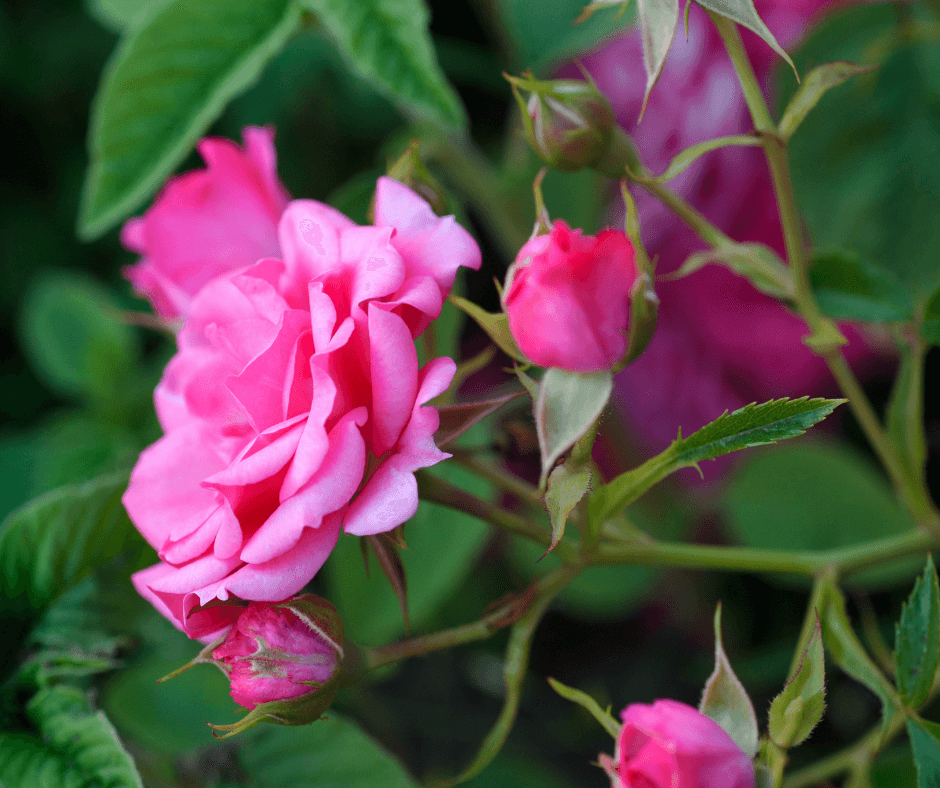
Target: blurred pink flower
{"points": [[207, 222], [295, 406], [568, 298], [671, 745], [720, 343]]}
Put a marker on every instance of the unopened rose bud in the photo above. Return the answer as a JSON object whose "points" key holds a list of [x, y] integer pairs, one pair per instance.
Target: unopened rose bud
{"points": [[567, 297], [570, 124], [671, 745], [282, 659]]}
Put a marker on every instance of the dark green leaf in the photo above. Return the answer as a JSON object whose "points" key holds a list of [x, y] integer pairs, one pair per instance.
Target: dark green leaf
{"points": [[170, 78], [744, 13], [799, 708], [917, 639], [930, 329], [567, 484], [876, 141], [387, 42], [817, 497], [78, 747], [847, 289], [813, 87], [74, 339], [925, 742], [725, 700]]}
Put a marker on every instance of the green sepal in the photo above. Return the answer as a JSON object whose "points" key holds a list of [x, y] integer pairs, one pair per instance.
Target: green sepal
{"points": [[797, 710]]}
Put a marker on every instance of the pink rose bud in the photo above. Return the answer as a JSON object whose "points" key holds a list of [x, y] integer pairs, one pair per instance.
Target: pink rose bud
{"points": [[671, 745], [568, 298], [568, 122], [282, 659]]}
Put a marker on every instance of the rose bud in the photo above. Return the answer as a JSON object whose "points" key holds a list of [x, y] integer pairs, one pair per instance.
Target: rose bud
{"points": [[567, 297], [282, 659], [671, 745]]}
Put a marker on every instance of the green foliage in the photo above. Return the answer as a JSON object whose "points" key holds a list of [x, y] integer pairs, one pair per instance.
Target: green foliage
{"points": [[797, 710], [744, 13], [813, 87], [930, 328], [77, 747], [725, 700], [121, 14], [875, 138], [848, 289], [569, 404], [658, 21], [589, 704], [387, 42], [567, 484], [74, 340], [752, 425], [917, 639], [925, 742], [760, 264], [816, 497], [496, 325], [170, 78]]}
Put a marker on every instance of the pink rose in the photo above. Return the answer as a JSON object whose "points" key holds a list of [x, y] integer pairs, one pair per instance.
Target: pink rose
{"points": [[276, 652], [207, 223], [295, 406], [671, 745], [568, 298]]}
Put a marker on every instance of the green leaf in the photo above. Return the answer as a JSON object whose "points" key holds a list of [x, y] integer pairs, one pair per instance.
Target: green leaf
{"points": [[684, 159], [120, 14], [442, 547], [725, 700], [930, 329], [847, 289], [544, 34], [588, 704], [905, 412], [495, 325], [925, 742], [848, 652], [78, 747], [752, 425], [744, 13], [658, 22], [169, 79], [567, 484], [817, 497], [759, 264], [568, 405], [813, 87], [917, 639], [796, 711], [331, 751], [876, 141], [74, 340], [387, 42]]}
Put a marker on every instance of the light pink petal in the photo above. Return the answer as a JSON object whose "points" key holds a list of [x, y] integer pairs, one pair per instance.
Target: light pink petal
{"points": [[418, 301], [309, 233], [429, 245], [330, 489], [204, 570], [164, 495], [192, 545], [394, 369], [258, 284], [171, 610], [264, 460], [314, 442], [189, 390], [377, 268]]}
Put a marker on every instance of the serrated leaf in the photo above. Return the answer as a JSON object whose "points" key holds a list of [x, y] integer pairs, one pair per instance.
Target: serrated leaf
{"points": [[759, 264], [567, 485], [917, 639], [744, 13], [658, 22], [590, 705], [797, 710], [925, 742], [813, 87], [848, 652], [568, 405], [725, 700], [847, 289], [752, 425], [78, 747], [73, 339], [169, 79], [496, 326], [388, 43]]}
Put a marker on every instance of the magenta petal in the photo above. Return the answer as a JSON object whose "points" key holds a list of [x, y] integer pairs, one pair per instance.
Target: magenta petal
{"points": [[394, 367], [330, 489], [172, 612], [377, 268], [314, 441], [309, 233], [194, 544], [264, 459]]}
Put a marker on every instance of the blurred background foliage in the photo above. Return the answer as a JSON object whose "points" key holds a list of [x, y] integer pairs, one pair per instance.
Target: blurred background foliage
{"points": [[82, 359]]}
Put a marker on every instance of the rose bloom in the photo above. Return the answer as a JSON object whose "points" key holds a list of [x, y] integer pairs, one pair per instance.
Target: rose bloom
{"points": [[294, 405], [671, 745], [720, 343], [568, 298]]}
